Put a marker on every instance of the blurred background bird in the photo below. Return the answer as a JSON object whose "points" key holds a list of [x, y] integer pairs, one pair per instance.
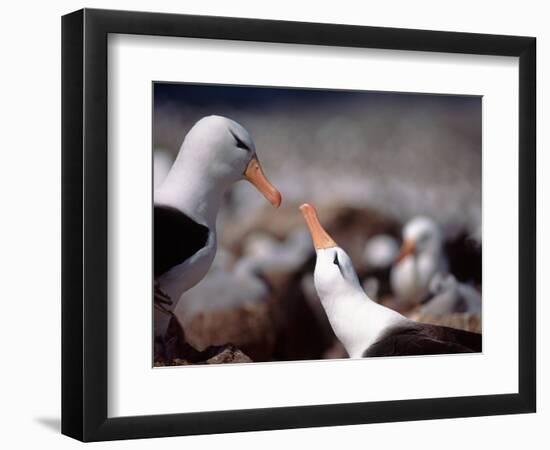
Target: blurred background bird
{"points": [[447, 296], [420, 258]]}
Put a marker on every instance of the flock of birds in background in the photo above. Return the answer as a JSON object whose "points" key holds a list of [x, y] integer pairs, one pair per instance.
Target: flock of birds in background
{"points": [[218, 152]]}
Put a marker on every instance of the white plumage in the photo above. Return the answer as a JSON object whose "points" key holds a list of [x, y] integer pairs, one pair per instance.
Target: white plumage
{"points": [[357, 321]]}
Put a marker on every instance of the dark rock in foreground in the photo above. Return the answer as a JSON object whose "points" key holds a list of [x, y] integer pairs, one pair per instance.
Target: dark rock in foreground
{"points": [[177, 351], [227, 354], [248, 327]]}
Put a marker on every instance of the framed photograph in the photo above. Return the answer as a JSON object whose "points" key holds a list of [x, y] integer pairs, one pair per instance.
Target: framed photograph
{"points": [[272, 224]]}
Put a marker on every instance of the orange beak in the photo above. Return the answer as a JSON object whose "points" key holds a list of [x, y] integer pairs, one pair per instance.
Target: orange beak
{"points": [[407, 249], [321, 239], [255, 175]]}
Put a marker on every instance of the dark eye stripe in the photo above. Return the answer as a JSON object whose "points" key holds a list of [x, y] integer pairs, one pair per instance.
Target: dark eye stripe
{"points": [[337, 263], [239, 142]]}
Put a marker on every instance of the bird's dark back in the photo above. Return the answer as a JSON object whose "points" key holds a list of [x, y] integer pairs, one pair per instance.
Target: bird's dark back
{"points": [[177, 237]]}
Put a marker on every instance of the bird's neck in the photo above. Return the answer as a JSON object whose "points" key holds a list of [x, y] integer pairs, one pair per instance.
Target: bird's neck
{"points": [[359, 322], [190, 189], [426, 264]]}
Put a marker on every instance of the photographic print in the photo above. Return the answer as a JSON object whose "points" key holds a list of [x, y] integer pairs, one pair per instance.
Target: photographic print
{"points": [[297, 224]]}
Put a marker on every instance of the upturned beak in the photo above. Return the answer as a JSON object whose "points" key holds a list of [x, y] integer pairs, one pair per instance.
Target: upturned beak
{"points": [[407, 249], [321, 239], [255, 175]]}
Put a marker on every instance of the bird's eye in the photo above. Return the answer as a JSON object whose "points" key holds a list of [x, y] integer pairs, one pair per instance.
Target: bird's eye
{"points": [[239, 142], [337, 264]]}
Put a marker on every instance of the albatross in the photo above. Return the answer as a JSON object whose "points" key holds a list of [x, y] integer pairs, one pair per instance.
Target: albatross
{"points": [[420, 258], [451, 296], [365, 327], [216, 153]]}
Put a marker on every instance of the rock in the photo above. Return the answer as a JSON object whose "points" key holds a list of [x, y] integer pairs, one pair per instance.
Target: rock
{"points": [[172, 345], [249, 327], [173, 362], [229, 355]]}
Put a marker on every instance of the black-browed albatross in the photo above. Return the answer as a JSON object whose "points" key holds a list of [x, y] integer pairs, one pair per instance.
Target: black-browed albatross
{"points": [[448, 296], [215, 153], [365, 327], [420, 258]]}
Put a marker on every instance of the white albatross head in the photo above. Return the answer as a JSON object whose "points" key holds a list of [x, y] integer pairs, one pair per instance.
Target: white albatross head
{"points": [[334, 274], [421, 235], [215, 153], [224, 153]]}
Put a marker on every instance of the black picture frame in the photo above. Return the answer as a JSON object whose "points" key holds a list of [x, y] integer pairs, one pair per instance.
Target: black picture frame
{"points": [[84, 224]]}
